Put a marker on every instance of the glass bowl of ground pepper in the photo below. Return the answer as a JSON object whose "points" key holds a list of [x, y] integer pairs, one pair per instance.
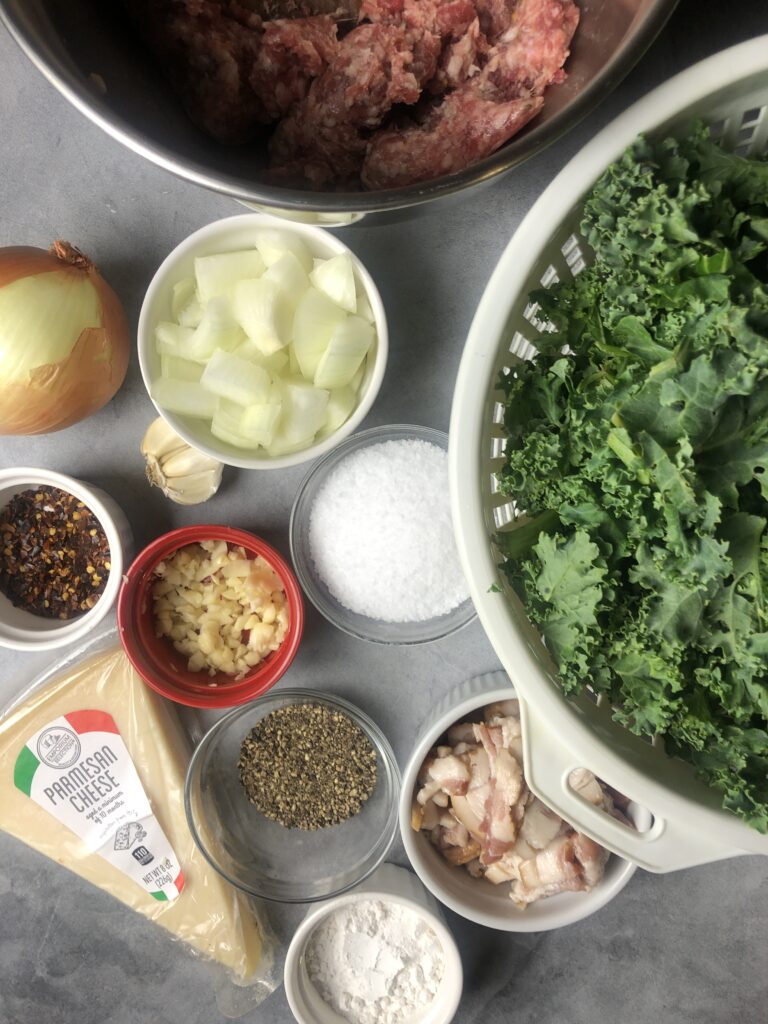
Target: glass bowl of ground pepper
{"points": [[62, 549], [293, 797]]}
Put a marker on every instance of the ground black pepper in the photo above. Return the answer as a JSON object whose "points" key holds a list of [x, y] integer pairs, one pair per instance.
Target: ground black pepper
{"points": [[307, 766], [54, 554]]}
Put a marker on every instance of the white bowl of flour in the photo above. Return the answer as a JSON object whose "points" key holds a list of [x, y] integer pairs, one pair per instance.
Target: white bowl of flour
{"points": [[379, 955]]}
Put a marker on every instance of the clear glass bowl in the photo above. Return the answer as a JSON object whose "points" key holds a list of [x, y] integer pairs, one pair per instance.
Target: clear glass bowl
{"points": [[363, 626], [262, 857]]}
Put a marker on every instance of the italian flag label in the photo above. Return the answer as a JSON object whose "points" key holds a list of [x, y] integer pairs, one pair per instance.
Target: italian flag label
{"points": [[79, 770]]}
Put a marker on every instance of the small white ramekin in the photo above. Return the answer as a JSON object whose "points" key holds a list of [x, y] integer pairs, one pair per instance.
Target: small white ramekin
{"points": [[21, 630], [390, 884], [474, 898], [230, 235]]}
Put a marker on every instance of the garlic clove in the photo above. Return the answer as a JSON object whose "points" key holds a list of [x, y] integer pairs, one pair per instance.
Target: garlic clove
{"points": [[184, 474], [194, 488], [161, 439], [186, 461]]}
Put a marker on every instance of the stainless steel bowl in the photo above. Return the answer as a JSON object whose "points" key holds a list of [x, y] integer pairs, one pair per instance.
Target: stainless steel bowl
{"points": [[83, 48]]}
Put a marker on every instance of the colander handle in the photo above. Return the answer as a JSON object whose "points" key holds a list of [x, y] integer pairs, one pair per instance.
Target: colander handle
{"points": [[660, 844]]}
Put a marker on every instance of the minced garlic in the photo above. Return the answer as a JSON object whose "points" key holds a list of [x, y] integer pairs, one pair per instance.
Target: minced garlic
{"points": [[223, 610]]}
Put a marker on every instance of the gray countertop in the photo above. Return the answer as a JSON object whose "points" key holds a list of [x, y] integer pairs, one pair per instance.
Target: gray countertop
{"points": [[686, 947]]}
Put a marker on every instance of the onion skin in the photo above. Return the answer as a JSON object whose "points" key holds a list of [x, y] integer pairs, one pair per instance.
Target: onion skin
{"points": [[56, 395]]}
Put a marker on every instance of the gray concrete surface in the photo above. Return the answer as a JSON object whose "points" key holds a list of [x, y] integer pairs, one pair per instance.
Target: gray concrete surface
{"points": [[688, 947]]}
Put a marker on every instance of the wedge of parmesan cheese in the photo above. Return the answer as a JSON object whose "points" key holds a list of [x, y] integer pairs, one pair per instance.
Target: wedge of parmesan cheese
{"points": [[208, 913]]}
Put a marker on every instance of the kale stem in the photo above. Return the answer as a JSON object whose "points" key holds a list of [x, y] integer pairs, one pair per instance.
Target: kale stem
{"points": [[517, 542], [628, 456]]}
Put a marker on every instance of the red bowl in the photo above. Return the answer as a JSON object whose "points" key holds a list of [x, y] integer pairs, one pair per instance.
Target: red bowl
{"points": [[155, 658]]}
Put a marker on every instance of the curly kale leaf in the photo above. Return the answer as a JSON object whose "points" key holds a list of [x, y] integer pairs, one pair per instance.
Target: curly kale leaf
{"points": [[638, 450]]}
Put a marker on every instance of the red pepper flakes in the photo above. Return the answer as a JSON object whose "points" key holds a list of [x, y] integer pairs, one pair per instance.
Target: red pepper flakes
{"points": [[54, 554]]}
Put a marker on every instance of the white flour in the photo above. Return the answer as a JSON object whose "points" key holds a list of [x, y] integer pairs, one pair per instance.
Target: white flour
{"points": [[375, 962]]}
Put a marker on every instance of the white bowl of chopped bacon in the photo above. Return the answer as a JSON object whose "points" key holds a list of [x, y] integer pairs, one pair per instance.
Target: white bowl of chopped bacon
{"points": [[481, 841]]}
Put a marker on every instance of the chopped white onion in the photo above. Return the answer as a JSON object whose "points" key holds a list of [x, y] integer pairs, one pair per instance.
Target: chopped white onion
{"points": [[268, 344], [215, 275], [259, 422], [261, 309], [184, 292], [345, 353], [363, 305], [281, 447], [336, 279], [304, 408], [180, 369], [273, 244], [276, 363], [172, 339], [231, 377], [289, 274], [184, 397], [341, 402], [217, 330], [315, 321], [192, 314]]}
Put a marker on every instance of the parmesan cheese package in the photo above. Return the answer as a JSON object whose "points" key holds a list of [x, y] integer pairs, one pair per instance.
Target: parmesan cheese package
{"points": [[92, 769]]}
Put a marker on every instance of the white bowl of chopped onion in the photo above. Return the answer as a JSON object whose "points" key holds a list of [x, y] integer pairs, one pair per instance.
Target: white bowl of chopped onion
{"points": [[262, 342], [545, 873]]}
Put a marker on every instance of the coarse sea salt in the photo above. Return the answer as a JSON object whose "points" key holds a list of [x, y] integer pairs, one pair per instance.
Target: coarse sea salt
{"points": [[381, 537]]}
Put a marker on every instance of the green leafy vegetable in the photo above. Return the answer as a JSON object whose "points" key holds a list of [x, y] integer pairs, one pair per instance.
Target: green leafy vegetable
{"points": [[639, 452]]}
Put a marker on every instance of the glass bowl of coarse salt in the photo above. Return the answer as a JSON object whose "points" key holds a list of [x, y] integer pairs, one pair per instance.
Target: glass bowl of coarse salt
{"points": [[372, 538]]}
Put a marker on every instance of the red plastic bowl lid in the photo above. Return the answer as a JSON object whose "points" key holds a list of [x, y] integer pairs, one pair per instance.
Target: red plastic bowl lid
{"points": [[154, 657]]}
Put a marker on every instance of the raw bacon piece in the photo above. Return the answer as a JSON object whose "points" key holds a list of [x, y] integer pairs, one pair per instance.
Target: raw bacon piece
{"points": [[449, 774], [480, 790], [461, 732], [583, 782], [553, 870], [452, 773], [540, 825], [592, 858], [499, 825], [464, 812], [458, 855], [503, 870], [502, 709]]}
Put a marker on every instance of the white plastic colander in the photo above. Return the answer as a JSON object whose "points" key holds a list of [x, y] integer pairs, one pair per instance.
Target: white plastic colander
{"points": [[730, 92]]}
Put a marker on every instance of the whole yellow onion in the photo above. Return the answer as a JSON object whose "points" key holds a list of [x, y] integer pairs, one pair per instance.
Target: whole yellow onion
{"points": [[64, 341]]}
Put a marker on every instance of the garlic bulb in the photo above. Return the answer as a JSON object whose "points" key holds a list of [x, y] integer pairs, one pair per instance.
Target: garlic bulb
{"points": [[184, 474]]}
